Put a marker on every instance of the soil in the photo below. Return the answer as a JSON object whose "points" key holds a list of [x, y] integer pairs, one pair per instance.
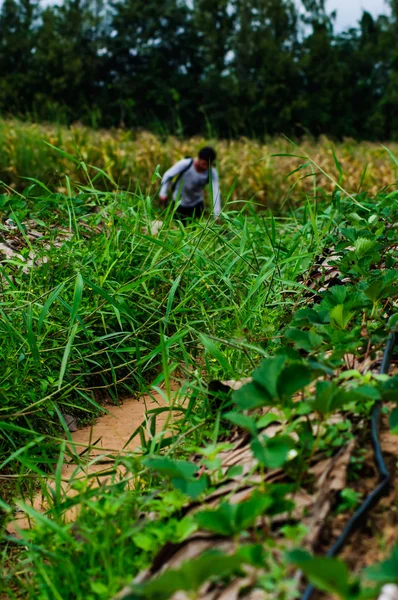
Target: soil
{"points": [[112, 434], [376, 537]]}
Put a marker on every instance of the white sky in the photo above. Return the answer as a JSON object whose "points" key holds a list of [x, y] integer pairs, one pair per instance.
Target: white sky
{"points": [[349, 11]]}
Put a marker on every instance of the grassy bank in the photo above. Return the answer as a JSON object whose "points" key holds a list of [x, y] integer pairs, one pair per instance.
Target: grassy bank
{"points": [[129, 160]]}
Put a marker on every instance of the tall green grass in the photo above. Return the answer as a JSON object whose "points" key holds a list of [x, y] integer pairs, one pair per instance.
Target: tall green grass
{"points": [[111, 312], [98, 318], [115, 311]]}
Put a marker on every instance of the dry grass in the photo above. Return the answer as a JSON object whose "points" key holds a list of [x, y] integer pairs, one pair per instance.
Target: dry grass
{"points": [[130, 160]]}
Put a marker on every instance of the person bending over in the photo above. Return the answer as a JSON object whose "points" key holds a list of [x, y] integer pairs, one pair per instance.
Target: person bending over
{"points": [[191, 177]]}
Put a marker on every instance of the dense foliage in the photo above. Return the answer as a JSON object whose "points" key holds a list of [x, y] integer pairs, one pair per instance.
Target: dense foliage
{"points": [[229, 67], [100, 308], [109, 305]]}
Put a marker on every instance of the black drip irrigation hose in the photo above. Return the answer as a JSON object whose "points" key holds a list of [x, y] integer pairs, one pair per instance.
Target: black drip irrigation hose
{"points": [[383, 472]]}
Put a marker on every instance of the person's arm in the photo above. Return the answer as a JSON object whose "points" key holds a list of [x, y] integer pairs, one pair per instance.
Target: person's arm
{"points": [[216, 192], [168, 176]]}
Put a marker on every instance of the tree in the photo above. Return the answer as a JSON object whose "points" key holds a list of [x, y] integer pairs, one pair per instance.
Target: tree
{"points": [[17, 46], [322, 75], [152, 63], [265, 67], [214, 21], [385, 117], [67, 59], [220, 67]]}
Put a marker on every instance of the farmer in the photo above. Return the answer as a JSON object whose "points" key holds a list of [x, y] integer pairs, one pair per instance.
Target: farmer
{"points": [[192, 175]]}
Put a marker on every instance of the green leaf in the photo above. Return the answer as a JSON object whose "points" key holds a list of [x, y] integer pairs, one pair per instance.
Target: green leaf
{"points": [[144, 541], [6, 507], [389, 389], [350, 233], [193, 489], [393, 323], [362, 393], [394, 421], [22, 450], [267, 419], [338, 294], [328, 399], [49, 525], [268, 373], [281, 504], [235, 471], [231, 519], [374, 290], [181, 473], [340, 316], [272, 452], [294, 378], [99, 588], [327, 574], [253, 554], [305, 340], [248, 512], [220, 521], [189, 577], [251, 396], [185, 528], [385, 572], [310, 316], [178, 469], [242, 421], [364, 246]]}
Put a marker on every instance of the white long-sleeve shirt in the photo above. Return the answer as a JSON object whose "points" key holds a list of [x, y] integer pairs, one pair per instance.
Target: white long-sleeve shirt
{"points": [[189, 188]]}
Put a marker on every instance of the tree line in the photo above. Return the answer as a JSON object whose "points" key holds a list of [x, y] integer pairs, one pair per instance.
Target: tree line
{"points": [[215, 67]]}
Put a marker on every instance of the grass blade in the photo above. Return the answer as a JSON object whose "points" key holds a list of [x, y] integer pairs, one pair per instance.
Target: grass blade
{"points": [[77, 298], [67, 351], [171, 297], [338, 166], [31, 335], [52, 297], [21, 450], [214, 351]]}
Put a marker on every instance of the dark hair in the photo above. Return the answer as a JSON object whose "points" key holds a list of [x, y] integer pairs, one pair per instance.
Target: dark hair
{"points": [[208, 153]]}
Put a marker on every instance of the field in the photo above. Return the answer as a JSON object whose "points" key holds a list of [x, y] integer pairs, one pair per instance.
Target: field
{"points": [[249, 170], [258, 338]]}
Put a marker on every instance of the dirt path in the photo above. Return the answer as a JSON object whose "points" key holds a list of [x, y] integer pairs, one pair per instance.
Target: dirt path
{"points": [[115, 428], [111, 432]]}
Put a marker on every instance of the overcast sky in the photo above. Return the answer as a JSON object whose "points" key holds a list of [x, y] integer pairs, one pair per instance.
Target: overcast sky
{"points": [[349, 11]]}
